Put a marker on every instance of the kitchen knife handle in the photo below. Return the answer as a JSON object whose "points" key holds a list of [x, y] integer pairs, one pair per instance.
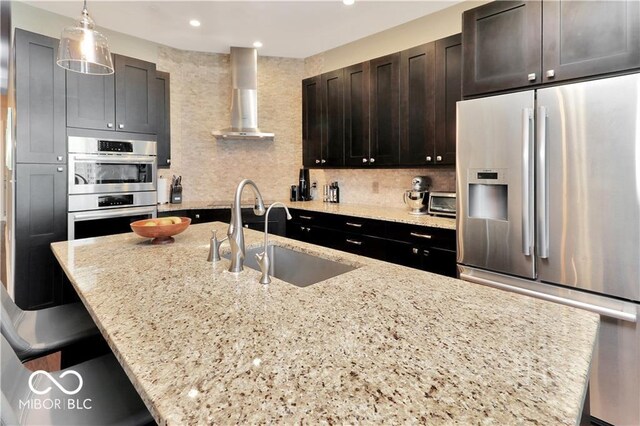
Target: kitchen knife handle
{"points": [[527, 193], [542, 185]]}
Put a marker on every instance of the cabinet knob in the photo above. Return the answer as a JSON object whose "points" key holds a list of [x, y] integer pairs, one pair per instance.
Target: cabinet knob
{"points": [[109, 125], [317, 161], [323, 161], [60, 169], [121, 126], [168, 160], [364, 160], [372, 160], [438, 158], [428, 158], [532, 76], [551, 73], [60, 158], [414, 250]]}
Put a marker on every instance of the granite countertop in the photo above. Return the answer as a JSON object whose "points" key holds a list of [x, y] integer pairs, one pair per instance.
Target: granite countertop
{"points": [[380, 344], [393, 214]]}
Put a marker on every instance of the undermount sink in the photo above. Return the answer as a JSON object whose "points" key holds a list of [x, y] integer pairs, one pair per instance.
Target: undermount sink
{"points": [[294, 267]]}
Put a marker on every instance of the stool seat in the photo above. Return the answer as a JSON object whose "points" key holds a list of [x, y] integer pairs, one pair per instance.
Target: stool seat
{"points": [[33, 334], [106, 396]]}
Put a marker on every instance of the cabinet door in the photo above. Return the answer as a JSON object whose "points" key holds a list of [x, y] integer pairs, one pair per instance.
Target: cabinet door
{"points": [[332, 119], [356, 114], [385, 110], [448, 92], [311, 119], [40, 100], [135, 97], [163, 119], [501, 46], [90, 101], [41, 199], [583, 38], [417, 69]]}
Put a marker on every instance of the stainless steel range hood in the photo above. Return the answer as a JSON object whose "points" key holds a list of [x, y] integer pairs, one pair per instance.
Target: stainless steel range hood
{"points": [[244, 98]]}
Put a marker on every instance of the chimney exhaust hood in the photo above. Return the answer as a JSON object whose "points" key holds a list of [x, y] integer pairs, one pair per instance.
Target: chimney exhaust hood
{"points": [[244, 98]]}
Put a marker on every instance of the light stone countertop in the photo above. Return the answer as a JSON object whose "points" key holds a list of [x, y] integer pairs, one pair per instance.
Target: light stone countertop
{"points": [[382, 344], [393, 214]]}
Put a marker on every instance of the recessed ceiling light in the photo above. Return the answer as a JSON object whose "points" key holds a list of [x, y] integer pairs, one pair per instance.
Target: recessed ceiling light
{"points": [[348, 2], [194, 23], [257, 44]]}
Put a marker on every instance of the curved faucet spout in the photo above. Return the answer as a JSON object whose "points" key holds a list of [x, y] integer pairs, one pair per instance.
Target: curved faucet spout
{"points": [[235, 231]]}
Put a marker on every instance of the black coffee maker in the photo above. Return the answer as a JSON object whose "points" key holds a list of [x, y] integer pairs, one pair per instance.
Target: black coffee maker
{"points": [[304, 186]]}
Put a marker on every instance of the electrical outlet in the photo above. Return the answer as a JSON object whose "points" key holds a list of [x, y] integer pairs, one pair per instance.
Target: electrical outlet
{"points": [[375, 187]]}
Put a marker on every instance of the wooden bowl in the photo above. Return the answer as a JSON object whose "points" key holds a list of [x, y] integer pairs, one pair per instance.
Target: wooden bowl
{"points": [[161, 234]]}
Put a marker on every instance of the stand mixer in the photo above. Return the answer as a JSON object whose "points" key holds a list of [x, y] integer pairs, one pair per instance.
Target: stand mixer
{"points": [[417, 197]]}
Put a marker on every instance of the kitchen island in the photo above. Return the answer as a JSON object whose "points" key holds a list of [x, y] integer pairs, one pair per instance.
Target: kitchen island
{"points": [[380, 344]]}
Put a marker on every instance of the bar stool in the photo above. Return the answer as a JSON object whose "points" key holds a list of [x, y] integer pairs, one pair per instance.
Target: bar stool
{"points": [[105, 397], [33, 334]]}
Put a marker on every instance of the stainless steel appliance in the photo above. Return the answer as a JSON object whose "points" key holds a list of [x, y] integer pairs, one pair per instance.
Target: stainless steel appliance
{"points": [[549, 206], [442, 204], [417, 197], [111, 184]]}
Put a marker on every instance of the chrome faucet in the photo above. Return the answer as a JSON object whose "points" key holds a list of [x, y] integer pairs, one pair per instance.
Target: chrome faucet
{"points": [[235, 232], [263, 258]]}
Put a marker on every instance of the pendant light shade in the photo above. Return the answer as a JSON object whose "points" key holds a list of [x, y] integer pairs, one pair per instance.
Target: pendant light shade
{"points": [[83, 49]]}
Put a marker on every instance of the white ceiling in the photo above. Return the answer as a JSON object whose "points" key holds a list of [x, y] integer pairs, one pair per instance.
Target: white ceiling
{"points": [[295, 29]]}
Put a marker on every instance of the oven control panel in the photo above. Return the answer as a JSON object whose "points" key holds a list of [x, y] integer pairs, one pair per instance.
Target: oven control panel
{"points": [[115, 200], [115, 146]]}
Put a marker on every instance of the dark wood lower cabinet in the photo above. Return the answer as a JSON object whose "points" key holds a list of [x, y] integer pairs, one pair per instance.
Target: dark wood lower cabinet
{"points": [[41, 199], [415, 246]]}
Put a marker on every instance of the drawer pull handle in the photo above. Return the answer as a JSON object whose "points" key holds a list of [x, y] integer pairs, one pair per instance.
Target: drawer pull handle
{"points": [[358, 243], [356, 225], [306, 217], [425, 236]]}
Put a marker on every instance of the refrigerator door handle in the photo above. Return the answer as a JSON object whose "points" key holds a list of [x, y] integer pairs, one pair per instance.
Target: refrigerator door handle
{"points": [[527, 193], [541, 185], [600, 310]]}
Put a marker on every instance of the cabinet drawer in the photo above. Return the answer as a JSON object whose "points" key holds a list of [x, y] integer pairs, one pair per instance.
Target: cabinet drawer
{"points": [[422, 235], [363, 245], [311, 218], [361, 226]]}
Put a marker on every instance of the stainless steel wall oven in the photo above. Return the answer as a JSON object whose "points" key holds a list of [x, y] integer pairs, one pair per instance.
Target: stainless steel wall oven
{"points": [[111, 183]]}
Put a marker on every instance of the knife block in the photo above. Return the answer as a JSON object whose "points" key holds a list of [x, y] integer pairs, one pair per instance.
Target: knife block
{"points": [[176, 194]]}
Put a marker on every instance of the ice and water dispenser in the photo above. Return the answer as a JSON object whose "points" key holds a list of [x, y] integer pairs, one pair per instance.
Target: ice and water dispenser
{"points": [[488, 194]]}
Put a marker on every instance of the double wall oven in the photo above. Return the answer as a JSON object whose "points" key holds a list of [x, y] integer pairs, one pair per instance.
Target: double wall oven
{"points": [[111, 183]]}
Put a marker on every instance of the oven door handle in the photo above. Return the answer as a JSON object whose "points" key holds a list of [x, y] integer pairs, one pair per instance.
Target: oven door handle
{"points": [[107, 214], [119, 159]]}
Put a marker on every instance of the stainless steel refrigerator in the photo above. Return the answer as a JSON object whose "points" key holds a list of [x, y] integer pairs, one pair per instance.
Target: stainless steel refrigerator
{"points": [[549, 206]]}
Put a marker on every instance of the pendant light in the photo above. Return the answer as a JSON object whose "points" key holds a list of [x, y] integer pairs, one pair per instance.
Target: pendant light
{"points": [[83, 49]]}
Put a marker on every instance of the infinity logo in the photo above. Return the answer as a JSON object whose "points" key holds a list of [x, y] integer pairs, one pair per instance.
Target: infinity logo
{"points": [[55, 382]]}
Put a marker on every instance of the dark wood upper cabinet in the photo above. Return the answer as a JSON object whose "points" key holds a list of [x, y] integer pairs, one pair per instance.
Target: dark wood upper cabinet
{"points": [[510, 45], [90, 101], [163, 120], [332, 86], [127, 101], [501, 46], [311, 122], [384, 97], [448, 91], [40, 100], [356, 113], [417, 107], [135, 95], [583, 38], [41, 204]]}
